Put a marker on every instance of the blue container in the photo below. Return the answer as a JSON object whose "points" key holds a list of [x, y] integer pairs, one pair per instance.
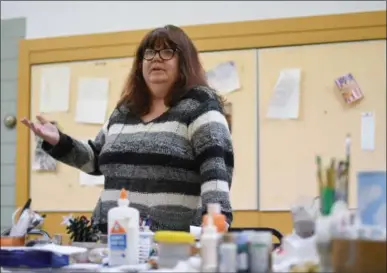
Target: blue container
{"points": [[32, 259]]}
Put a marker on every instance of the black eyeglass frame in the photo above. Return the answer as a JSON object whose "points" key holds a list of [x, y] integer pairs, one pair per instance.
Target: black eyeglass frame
{"points": [[159, 52]]}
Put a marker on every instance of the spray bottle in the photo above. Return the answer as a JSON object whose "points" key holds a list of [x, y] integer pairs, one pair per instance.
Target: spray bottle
{"points": [[209, 247], [123, 233]]}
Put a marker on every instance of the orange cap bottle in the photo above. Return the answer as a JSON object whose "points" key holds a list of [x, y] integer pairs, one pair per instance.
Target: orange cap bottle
{"points": [[219, 220]]}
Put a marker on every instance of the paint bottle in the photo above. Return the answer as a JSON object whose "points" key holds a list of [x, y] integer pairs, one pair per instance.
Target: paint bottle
{"points": [[260, 252], [218, 218], [228, 252], [123, 233]]}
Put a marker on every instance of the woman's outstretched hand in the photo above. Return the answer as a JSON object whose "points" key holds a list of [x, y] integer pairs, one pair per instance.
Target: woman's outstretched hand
{"points": [[44, 129]]}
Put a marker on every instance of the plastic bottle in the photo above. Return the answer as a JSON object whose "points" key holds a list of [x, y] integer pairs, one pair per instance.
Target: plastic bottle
{"points": [[228, 252], [123, 233], [260, 252], [219, 219], [209, 247]]}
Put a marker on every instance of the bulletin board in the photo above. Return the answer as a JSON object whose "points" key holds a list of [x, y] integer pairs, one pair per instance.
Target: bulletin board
{"points": [[61, 190], [244, 128], [287, 148]]}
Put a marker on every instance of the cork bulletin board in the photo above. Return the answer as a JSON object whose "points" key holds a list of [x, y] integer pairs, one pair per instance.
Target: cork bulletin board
{"points": [[61, 190], [288, 147]]}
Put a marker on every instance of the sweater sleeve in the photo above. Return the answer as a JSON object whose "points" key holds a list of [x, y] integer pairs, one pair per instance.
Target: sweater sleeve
{"points": [[211, 140], [79, 154]]}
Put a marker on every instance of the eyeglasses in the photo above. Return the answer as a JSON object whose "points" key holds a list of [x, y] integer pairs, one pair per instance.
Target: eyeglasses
{"points": [[165, 54]]}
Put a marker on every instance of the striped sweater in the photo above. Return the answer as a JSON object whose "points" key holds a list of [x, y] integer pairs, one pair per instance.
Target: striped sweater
{"points": [[172, 166]]}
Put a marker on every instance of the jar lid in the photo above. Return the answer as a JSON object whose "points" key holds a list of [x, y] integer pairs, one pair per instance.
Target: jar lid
{"points": [[174, 237]]}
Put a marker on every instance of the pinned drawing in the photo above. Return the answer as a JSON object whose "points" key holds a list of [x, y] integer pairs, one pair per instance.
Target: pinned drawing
{"points": [[42, 161], [349, 88], [224, 78]]}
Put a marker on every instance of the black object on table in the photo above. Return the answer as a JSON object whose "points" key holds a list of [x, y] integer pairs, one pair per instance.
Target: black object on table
{"points": [[273, 231]]}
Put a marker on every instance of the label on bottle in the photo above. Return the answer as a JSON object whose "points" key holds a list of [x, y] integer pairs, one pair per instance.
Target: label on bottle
{"points": [[118, 242]]}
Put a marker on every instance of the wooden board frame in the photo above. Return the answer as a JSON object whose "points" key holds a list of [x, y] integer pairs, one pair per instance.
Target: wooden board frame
{"points": [[213, 37]]}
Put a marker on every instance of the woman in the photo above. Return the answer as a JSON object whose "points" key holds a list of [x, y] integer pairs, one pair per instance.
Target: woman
{"points": [[167, 142]]}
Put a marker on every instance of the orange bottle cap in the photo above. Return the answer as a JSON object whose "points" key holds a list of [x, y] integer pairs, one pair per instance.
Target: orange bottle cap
{"points": [[123, 194]]}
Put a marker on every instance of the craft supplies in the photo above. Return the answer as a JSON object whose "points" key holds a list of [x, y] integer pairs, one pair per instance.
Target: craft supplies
{"points": [[342, 178], [304, 213], [243, 259], [228, 252], [324, 242], [80, 229], [218, 217], [146, 243], [39, 256], [12, 241], [123, 233], [173, 246], [209, 247], [261, 244], [20, 228], [334, 185]]}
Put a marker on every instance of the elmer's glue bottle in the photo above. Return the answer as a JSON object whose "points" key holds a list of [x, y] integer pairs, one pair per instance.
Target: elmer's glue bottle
{"points": [[219, 220], [123, 233]]}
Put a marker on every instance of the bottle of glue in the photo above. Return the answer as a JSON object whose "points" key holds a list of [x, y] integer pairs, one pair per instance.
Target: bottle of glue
{"points": [[209, 247], [219, 220], [123, 233]]}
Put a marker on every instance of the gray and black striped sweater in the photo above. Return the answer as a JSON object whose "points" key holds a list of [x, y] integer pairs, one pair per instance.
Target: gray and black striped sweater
{"points": [[172, 166]]}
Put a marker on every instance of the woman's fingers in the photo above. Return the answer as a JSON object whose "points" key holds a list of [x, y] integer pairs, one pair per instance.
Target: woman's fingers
{"points": [[34, 128], [41, 119], [26, 122]]}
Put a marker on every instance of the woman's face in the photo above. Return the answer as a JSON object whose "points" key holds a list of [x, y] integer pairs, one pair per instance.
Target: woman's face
{"points": [[160, 69]]}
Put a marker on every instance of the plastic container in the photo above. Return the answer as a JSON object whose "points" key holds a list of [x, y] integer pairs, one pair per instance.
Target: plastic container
{"points": [[12, 241], [123, 233], [38, 259], [228, 254], [173, 246], [146, 244], [261, 245], [209, 247], [219, 219]]}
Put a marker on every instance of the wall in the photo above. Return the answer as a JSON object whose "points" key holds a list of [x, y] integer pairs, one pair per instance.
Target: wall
{"points": [[12, 31], [52, 18]]}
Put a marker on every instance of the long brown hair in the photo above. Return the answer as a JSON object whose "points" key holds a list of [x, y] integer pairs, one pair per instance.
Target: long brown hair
{"points": [[136, 94]]}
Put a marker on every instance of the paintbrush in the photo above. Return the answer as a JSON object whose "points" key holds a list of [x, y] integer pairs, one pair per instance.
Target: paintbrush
{"points": [[333, 173], [346, 169], [319, 173]]}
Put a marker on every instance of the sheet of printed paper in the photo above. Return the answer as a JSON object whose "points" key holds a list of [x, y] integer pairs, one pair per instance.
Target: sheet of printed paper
{"points": [[224, 78], [285, 100], [90, 180], [92, 100], [368, 131], [55, 89]]}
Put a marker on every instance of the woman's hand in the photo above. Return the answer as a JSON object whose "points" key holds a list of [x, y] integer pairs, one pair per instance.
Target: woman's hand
{"points": [[44, 129]]}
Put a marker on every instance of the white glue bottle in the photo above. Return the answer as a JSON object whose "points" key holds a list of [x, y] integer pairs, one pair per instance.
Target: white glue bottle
{"points": [[209, 247], [123, 233]]}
